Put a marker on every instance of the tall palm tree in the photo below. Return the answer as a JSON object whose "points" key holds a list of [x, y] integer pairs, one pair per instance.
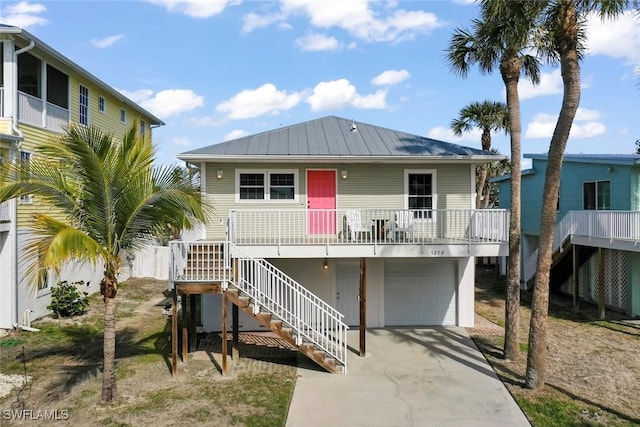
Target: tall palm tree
{"points": [[503, 43], [488, 116], [564, 20], [107, 197]]}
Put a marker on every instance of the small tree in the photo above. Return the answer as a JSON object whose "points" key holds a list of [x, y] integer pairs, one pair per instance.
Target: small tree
{"points": [[67, 300]]}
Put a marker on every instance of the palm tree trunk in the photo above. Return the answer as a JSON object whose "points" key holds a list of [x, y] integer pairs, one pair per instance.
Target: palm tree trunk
{"points": [[108, 288], [570, 69], [511, 75], [482, 182]]}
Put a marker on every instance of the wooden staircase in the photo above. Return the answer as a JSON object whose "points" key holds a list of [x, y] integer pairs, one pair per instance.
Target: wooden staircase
{"points": [[286, 333], [268, 295]]}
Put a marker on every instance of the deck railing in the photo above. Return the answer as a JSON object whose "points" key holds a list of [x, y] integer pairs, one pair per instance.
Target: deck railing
{"points": [[610, 225], [1, 101], [5, 212], [309, 317], [30, 111], [390, 226]]}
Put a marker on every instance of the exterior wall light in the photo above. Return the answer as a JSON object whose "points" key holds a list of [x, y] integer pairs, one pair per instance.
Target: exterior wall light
{"points": [[325, 264], [219, 174], [343, 174]]}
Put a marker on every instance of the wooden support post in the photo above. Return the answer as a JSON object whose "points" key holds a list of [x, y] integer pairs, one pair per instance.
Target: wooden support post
{"points": [[174, 332], [235, 350], [601, 299], [185, 328], [363, 306], [224, 333], [576, 282], [193, 324]]}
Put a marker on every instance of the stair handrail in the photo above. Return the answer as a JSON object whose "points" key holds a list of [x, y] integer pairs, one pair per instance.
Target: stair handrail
{"points": [[308, 315], [563, 229]]}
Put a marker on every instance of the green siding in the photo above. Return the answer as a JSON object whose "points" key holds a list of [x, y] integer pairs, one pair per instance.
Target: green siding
{"points": [[368, 186]]}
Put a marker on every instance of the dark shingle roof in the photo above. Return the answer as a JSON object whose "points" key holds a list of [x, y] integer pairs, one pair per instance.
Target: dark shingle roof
{"points": [[333, 136]]}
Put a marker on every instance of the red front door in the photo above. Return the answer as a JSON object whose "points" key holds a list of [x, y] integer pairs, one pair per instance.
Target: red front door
{"points": [[321, 202]]}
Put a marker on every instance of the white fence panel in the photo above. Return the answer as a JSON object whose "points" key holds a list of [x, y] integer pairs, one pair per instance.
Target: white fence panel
{"points": [[151, 262]]}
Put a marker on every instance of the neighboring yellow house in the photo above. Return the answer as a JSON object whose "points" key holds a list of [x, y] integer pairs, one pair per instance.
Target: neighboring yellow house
{"points": [[40, 92]]}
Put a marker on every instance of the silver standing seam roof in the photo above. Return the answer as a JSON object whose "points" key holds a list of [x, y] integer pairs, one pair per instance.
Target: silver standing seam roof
{"points": [[330, 137]]}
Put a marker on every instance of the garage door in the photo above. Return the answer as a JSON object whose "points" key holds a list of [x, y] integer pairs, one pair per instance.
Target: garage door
{"points": [[419, 293]]}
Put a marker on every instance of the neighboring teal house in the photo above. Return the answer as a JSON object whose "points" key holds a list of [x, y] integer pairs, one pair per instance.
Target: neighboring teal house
{"points": [[598, 207]]}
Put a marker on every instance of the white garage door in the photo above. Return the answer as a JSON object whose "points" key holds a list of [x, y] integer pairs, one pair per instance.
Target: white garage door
{"points": [[419, 293]]}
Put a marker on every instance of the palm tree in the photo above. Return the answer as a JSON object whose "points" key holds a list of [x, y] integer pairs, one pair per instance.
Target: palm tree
{"points": [[488, 116], [503, 43], [107, 197], [564, 20], [495, 169]]}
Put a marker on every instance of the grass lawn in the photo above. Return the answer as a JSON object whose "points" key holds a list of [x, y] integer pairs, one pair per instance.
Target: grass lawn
{"points": [[64, 360]]}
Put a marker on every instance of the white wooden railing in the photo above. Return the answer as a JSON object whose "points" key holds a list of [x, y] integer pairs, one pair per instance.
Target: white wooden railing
{"points": [[610, 225], [1, 102], [309, 317], [30, 111], [5, 212], [332, 226]]}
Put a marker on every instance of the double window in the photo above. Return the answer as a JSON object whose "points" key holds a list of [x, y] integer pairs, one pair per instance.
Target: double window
{"points": [[420, 192], [272, 185], [596, 195], [83, 103]]}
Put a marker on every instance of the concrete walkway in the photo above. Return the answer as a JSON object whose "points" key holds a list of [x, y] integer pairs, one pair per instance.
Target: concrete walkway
{"points": [[409, 377]]}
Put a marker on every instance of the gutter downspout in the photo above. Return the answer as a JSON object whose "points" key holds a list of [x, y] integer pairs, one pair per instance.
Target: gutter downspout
{"points": [[14, 223]]}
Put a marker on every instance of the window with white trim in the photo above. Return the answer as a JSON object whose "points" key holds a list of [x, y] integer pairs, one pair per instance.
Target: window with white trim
{"points": [[123, 115], [102, 104], [143, 128], [83, 105], [420, 192], [596, 195], [25, 160], [273, 185]]}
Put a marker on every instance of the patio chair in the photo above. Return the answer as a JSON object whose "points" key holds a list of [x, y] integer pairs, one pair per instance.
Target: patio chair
{"points": [[402, 223], [355, 227]]}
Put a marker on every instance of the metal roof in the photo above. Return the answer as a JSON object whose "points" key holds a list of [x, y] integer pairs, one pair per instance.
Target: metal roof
{"points": [[330, 137], [620, 159], [25, 35]]}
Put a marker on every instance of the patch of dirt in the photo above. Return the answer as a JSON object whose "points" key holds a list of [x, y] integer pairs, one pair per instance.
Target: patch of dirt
{"points": [[589, 361], [68, 379]]}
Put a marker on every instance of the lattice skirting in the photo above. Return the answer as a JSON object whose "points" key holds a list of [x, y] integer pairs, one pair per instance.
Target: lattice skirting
{"points": [[616, 279]]}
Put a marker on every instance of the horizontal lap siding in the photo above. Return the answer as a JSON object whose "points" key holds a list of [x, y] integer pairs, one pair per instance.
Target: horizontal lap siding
{"points": [[368, 186]]}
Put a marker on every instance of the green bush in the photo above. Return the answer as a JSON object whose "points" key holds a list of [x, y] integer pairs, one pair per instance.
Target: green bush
{"points": [[67, 300]]}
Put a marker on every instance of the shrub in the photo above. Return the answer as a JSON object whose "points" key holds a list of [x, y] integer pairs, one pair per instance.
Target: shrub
{"points": [[67, 300]]}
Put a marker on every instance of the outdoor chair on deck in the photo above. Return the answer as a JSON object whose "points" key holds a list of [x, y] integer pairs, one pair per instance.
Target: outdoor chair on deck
{"points": [[356, 229], [402, 223]]}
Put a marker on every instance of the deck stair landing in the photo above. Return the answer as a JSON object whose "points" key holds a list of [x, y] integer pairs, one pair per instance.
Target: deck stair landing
{"points": [[267, 294]]}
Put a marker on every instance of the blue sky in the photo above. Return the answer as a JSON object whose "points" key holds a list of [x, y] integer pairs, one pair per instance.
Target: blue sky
{"points": [[214, 70]]}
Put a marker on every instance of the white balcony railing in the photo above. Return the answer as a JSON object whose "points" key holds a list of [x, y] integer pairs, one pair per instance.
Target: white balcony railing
{"points": [[30, 110], [5, 212], [379, 226], [1, 102], [609, 225]]}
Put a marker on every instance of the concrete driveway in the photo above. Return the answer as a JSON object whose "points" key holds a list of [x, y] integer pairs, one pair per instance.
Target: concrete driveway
{"points": [[409, 377]]}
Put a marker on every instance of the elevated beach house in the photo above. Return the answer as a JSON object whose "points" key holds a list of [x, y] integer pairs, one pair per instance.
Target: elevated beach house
{"points": [[334, 223], [40, 92], [596, 244]]}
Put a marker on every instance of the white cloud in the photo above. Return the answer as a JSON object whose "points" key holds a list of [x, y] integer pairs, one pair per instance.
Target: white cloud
{"points": [[446, 134], [357, 17], [183, 142], [253, 21], [266, 99], [584, 125], [107, 41], [619, 38], [390, 77], [166, 103], [341, 93], [550, 84], [24, 14], [317, 42], [195, 8], [235, 134]]}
